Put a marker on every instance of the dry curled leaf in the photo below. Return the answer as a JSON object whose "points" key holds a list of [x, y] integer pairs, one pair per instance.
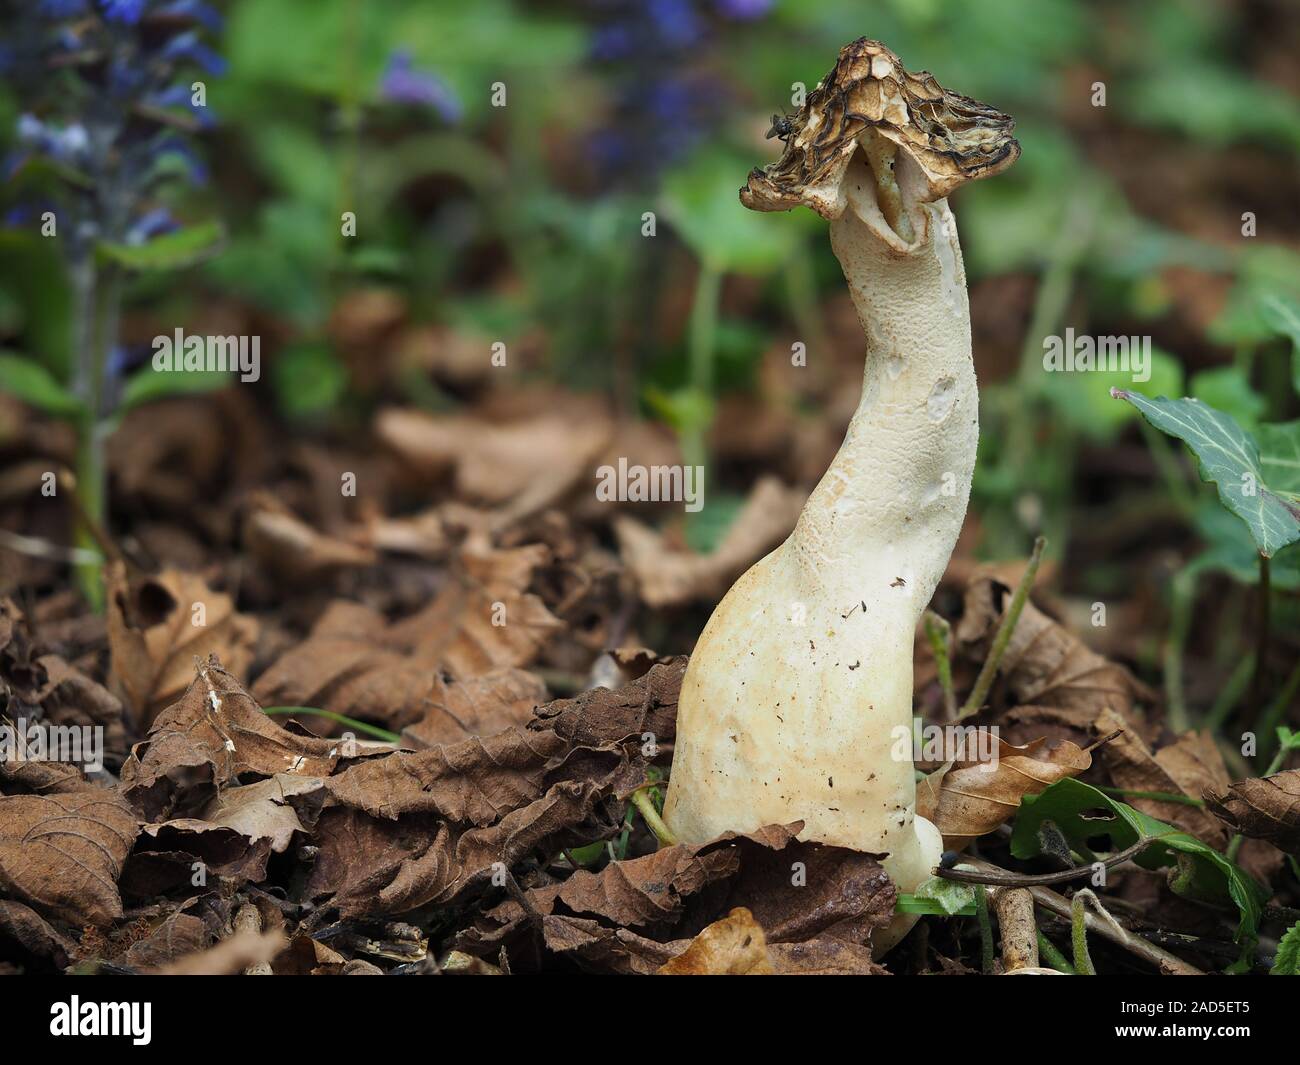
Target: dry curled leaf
{"points": [[972, 796], [479, 706], [733, 946], [287, 546], [199, 745], [1046, 665], [670, 577], [818, 905], [63, 854], [486, 618], [156, 628], [1265, 808], [1190, 766], [177, 935], [344, 666], [21, 925]]}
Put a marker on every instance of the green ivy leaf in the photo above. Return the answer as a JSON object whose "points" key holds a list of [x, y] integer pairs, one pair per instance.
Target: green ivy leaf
{"points": [[172, 251], [1230, 457], [1083, 813], [34, 384], [1287, 961]]}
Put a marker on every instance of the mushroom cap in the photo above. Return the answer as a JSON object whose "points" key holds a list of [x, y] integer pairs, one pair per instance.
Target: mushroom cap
{"points": [[952, 139]]}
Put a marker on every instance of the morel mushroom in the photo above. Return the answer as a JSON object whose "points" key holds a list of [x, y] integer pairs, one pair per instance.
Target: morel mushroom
{"points": [[791, 705]]}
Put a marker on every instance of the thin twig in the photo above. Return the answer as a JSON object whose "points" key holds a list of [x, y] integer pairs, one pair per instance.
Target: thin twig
{"points": [[1002, 878], [1060, 905], [1003, 637], [986, 929]]}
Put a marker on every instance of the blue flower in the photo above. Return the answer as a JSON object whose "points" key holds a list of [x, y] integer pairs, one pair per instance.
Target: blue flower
{"points": [[128, 12], [402, 83], [188, 46], [151, 224], [204, 14], [743, 10], [676, 22]]}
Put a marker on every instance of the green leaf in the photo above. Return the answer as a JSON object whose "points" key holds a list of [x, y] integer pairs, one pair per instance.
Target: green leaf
{"points": [[172, 251], [1279, 456], [1201, 873], [308, 379], [1230, 457], [1287, 961], [33, 383], [952, 895], [148, 384]]}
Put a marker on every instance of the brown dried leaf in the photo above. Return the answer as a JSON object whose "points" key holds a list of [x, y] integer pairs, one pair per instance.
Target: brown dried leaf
{"points": [[1190, 766], [344, 667], [733, 946], [826, 899], [1263, 808], [970, 797], [479, 706], [1045, 664], [474, 781], [669, 577], [22, 925], [64, 853], [520, 466], [69, 697], [154, 640], [485, 618], [287, 546], [199, 745], [539, 787], [179, 934]]}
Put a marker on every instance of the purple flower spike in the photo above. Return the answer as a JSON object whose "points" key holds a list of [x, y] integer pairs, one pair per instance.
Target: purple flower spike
{"points": [[126, 11], [402, 83], [744, 10]]}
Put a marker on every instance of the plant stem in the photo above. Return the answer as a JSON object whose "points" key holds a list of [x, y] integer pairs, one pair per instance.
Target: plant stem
{"points": [[351, 722], [1079, 938], [1003, 636], [642, 801], [1266, 727], [1261, 635], [938, 632], [702, 340], [1180, 623], [1054, 957], [1230, 694]]}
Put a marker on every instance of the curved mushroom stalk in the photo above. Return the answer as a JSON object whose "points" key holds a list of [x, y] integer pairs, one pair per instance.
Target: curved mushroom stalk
{"points": [[797, 704]]}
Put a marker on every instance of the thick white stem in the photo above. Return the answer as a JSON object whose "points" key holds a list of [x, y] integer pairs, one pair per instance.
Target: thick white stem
{"points": [[797, 704]]}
